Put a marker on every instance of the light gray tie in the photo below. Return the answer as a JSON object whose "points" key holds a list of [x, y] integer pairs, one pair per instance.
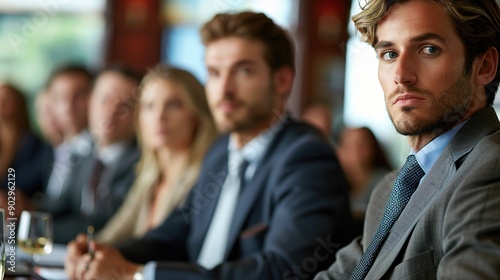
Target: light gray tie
{"points": [[215, 243]]}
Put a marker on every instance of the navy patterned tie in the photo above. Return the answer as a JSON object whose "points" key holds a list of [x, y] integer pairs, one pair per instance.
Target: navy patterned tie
{"points": [[405, 185]]}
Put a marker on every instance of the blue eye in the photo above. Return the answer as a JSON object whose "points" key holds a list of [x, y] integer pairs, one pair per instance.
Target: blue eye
{"points": [[389, 55], [245, 70], [430, 50]]}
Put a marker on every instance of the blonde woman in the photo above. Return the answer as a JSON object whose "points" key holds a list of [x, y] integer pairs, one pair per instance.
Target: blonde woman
{"points": [[175, 129]]}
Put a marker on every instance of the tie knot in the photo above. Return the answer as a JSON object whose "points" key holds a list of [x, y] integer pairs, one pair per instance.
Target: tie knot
{"points": [[243, 167], [406, 183], [411, 161], [236, 163], [411, 173]]}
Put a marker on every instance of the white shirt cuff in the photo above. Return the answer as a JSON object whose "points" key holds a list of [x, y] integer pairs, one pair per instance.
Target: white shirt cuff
{"points": [[150, 271]]}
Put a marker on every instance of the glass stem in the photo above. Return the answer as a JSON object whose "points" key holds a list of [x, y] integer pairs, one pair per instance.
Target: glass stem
{"points": [[31, 263]]}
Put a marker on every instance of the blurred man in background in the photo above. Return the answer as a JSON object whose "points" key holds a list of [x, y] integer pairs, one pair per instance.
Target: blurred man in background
{"points": [[271, 197], [102, 175], [68, 91]]}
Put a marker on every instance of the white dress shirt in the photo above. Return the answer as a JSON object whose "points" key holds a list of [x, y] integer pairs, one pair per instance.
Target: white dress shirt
{"points": [[215, 243], [252, 152]]}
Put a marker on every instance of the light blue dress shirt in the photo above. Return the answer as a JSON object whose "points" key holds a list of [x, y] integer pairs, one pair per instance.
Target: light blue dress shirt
{"points": [[428, 155]]}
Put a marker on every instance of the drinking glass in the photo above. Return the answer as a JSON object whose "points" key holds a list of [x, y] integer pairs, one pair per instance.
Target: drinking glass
{"points": [[35, 234]]}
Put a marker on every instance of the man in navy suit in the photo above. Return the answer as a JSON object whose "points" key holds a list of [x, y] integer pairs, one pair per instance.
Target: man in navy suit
{"points": [[271, 201]]}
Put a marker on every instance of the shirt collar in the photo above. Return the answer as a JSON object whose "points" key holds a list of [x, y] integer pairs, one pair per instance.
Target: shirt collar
{"points": [[110, 153], [81, 143], [428, 155], [254, 150]]}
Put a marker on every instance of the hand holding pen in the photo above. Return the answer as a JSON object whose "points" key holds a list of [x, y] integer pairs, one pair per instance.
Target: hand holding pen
{"points": [[77, 251], [90, 242], [87, 259]]}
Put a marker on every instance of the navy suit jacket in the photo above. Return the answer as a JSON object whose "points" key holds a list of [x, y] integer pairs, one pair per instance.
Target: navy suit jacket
{"points": [[291, 218], [32, 165]]}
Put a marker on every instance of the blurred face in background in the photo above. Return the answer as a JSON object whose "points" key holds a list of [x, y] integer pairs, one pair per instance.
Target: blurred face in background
{"points": [[165, 119], [45, 117], [355, 149], [112, 108], [8, 106], [239, 88], [69, 94]]}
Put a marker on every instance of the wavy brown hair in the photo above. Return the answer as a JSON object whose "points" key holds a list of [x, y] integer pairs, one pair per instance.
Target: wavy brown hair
{"points": [[477, 23], [279, 50]]}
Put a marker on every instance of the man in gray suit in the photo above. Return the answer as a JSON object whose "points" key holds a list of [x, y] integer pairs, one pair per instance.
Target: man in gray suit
{"points": [[68, 91], [99, 179], [438, 65]]}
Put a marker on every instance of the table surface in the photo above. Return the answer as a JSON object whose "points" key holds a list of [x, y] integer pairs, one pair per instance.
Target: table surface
{"points": [[54, 259]]}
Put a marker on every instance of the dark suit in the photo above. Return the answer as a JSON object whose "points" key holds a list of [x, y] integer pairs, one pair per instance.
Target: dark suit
{"points": [[290, 219], [450, 228], [32, 164], [115, 181]]}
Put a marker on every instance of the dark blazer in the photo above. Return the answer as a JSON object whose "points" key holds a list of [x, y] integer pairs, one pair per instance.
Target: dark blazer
{"points": [[69, 220], [450, 228], [291, 218], [32, 164]]}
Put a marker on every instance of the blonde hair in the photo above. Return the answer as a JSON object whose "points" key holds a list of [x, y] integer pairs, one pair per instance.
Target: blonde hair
{"points": [[476, 22], [148, 168]]}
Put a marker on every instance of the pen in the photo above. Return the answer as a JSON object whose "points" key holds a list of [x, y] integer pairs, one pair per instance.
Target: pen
{"points": [[90, 241]]}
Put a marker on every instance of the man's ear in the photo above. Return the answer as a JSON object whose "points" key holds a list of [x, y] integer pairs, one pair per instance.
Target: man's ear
{"points": [[283, 80], [488, 64]]}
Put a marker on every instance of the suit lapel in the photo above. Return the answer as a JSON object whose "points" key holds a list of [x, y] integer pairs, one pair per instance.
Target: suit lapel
{"points": [[203, 197], [246, 201], [440, 173], [253, 189], [481, 124]]}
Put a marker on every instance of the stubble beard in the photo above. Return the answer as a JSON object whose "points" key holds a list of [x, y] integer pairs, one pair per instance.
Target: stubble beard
{"points": [[449, 109], [251, 115]]}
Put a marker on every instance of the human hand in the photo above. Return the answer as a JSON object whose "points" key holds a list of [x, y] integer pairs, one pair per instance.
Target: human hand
{"points": [[75, 250], [108, 263]]}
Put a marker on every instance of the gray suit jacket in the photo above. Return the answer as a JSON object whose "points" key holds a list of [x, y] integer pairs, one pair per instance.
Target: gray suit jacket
{"points": [[114, 183], [450, 228]]}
